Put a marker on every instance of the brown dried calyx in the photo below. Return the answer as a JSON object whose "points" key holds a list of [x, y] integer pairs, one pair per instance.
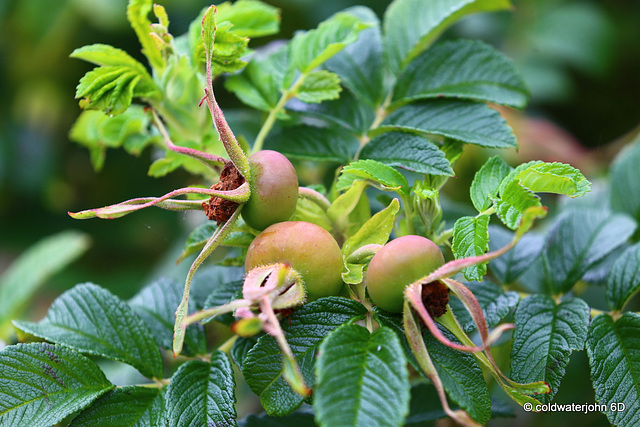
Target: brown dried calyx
{"points": [[219, 209], [435, 297]]}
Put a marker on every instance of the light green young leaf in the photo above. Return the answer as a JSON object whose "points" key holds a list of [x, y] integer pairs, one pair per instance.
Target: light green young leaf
{"points": [[228, 49], [137, 13], [42, 383], [464, 121], [347, 204], [312, 143], [102, 54], [614, 355], [209, 30], [311, 48], [362, 379], [92, 320], [410, 27], [513, 203], [486, 182], [372, 170], [546, 333], [318, 86], [210, 388], [127, 406], [557, 178], [34, 267], [250, 18], [466, 69], [624, 279], [412, 152], [471, 238]]}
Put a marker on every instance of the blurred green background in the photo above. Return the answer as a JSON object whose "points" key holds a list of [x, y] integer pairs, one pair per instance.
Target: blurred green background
{"points": [[580, 58]]}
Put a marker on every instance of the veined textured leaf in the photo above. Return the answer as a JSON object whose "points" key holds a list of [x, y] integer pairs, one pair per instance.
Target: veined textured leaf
{"points": [[510, 266], [487, 181], [41, 383], [92, 320], [625, 175], [624, 278], [359, 64], [495, 303], [410, 26], [386, 176], [580, 239], [296, 419], [241, 347], [318, 86], [42, 260], [310, 49], [614, 356], [312, 143], [223, 294], [208, 279], [304, 330], [412, 152], [156, 305], [103, 54], [466, 69], [544, 338], [127, 406], [362, 379], [201, 234], [137, 12], [464, 121], [557, 178], [513, 203], [471, 238], [202, 393]]}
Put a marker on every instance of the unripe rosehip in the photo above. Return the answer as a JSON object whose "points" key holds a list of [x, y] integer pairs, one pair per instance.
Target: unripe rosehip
{"points": [[399, 263], [308, 248]]}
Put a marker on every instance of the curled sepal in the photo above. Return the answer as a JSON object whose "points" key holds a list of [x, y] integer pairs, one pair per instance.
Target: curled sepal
{"points": [[238, 195], [419, 349]]}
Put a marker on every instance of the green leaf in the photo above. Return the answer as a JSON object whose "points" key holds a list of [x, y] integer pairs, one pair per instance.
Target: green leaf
{"points": [[410, 27], [201, 234], [318, 86], [386, 176], [127, 406], [241, 347], [228, 49], [202, 393], [223, 294], [359, 64], [471, 238], [346, 204], [209, 30], [296, 419], [102, 54], [250, 18], [412, 152], [580, 239], [362, 379], [466, 69], [34, 267], [557, 178], [624, 278], [208, 279], [544, 338], [513, 203], [137, 12], [41, 384], [510, 266], [311, 143], [614, 355], [495, 303], [625, 175], [487, 181], [464, 121], [92, 320], [156, 305], [304, 330], [311, 48]]}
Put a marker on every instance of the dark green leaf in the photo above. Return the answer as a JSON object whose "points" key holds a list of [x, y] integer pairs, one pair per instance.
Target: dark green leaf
{"points": [[410, 27], [127, 406], [92, 320], [318, 86], [424, 407], [312, 143], [464, 121], [222, 294], [386, 176], [471, 238], [241, 347], [250, 18], [487, 181], [495, 303], [208, 279], [39, 262], [624, 279], [466, 69], [511, 265], [412, 152], [580, 239], [362, 379], [41, 383], [625, 176], [202, 393], [199, 237], [297, 419], [304, 331], [156, 304], [544, 338], [614, 356]]}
